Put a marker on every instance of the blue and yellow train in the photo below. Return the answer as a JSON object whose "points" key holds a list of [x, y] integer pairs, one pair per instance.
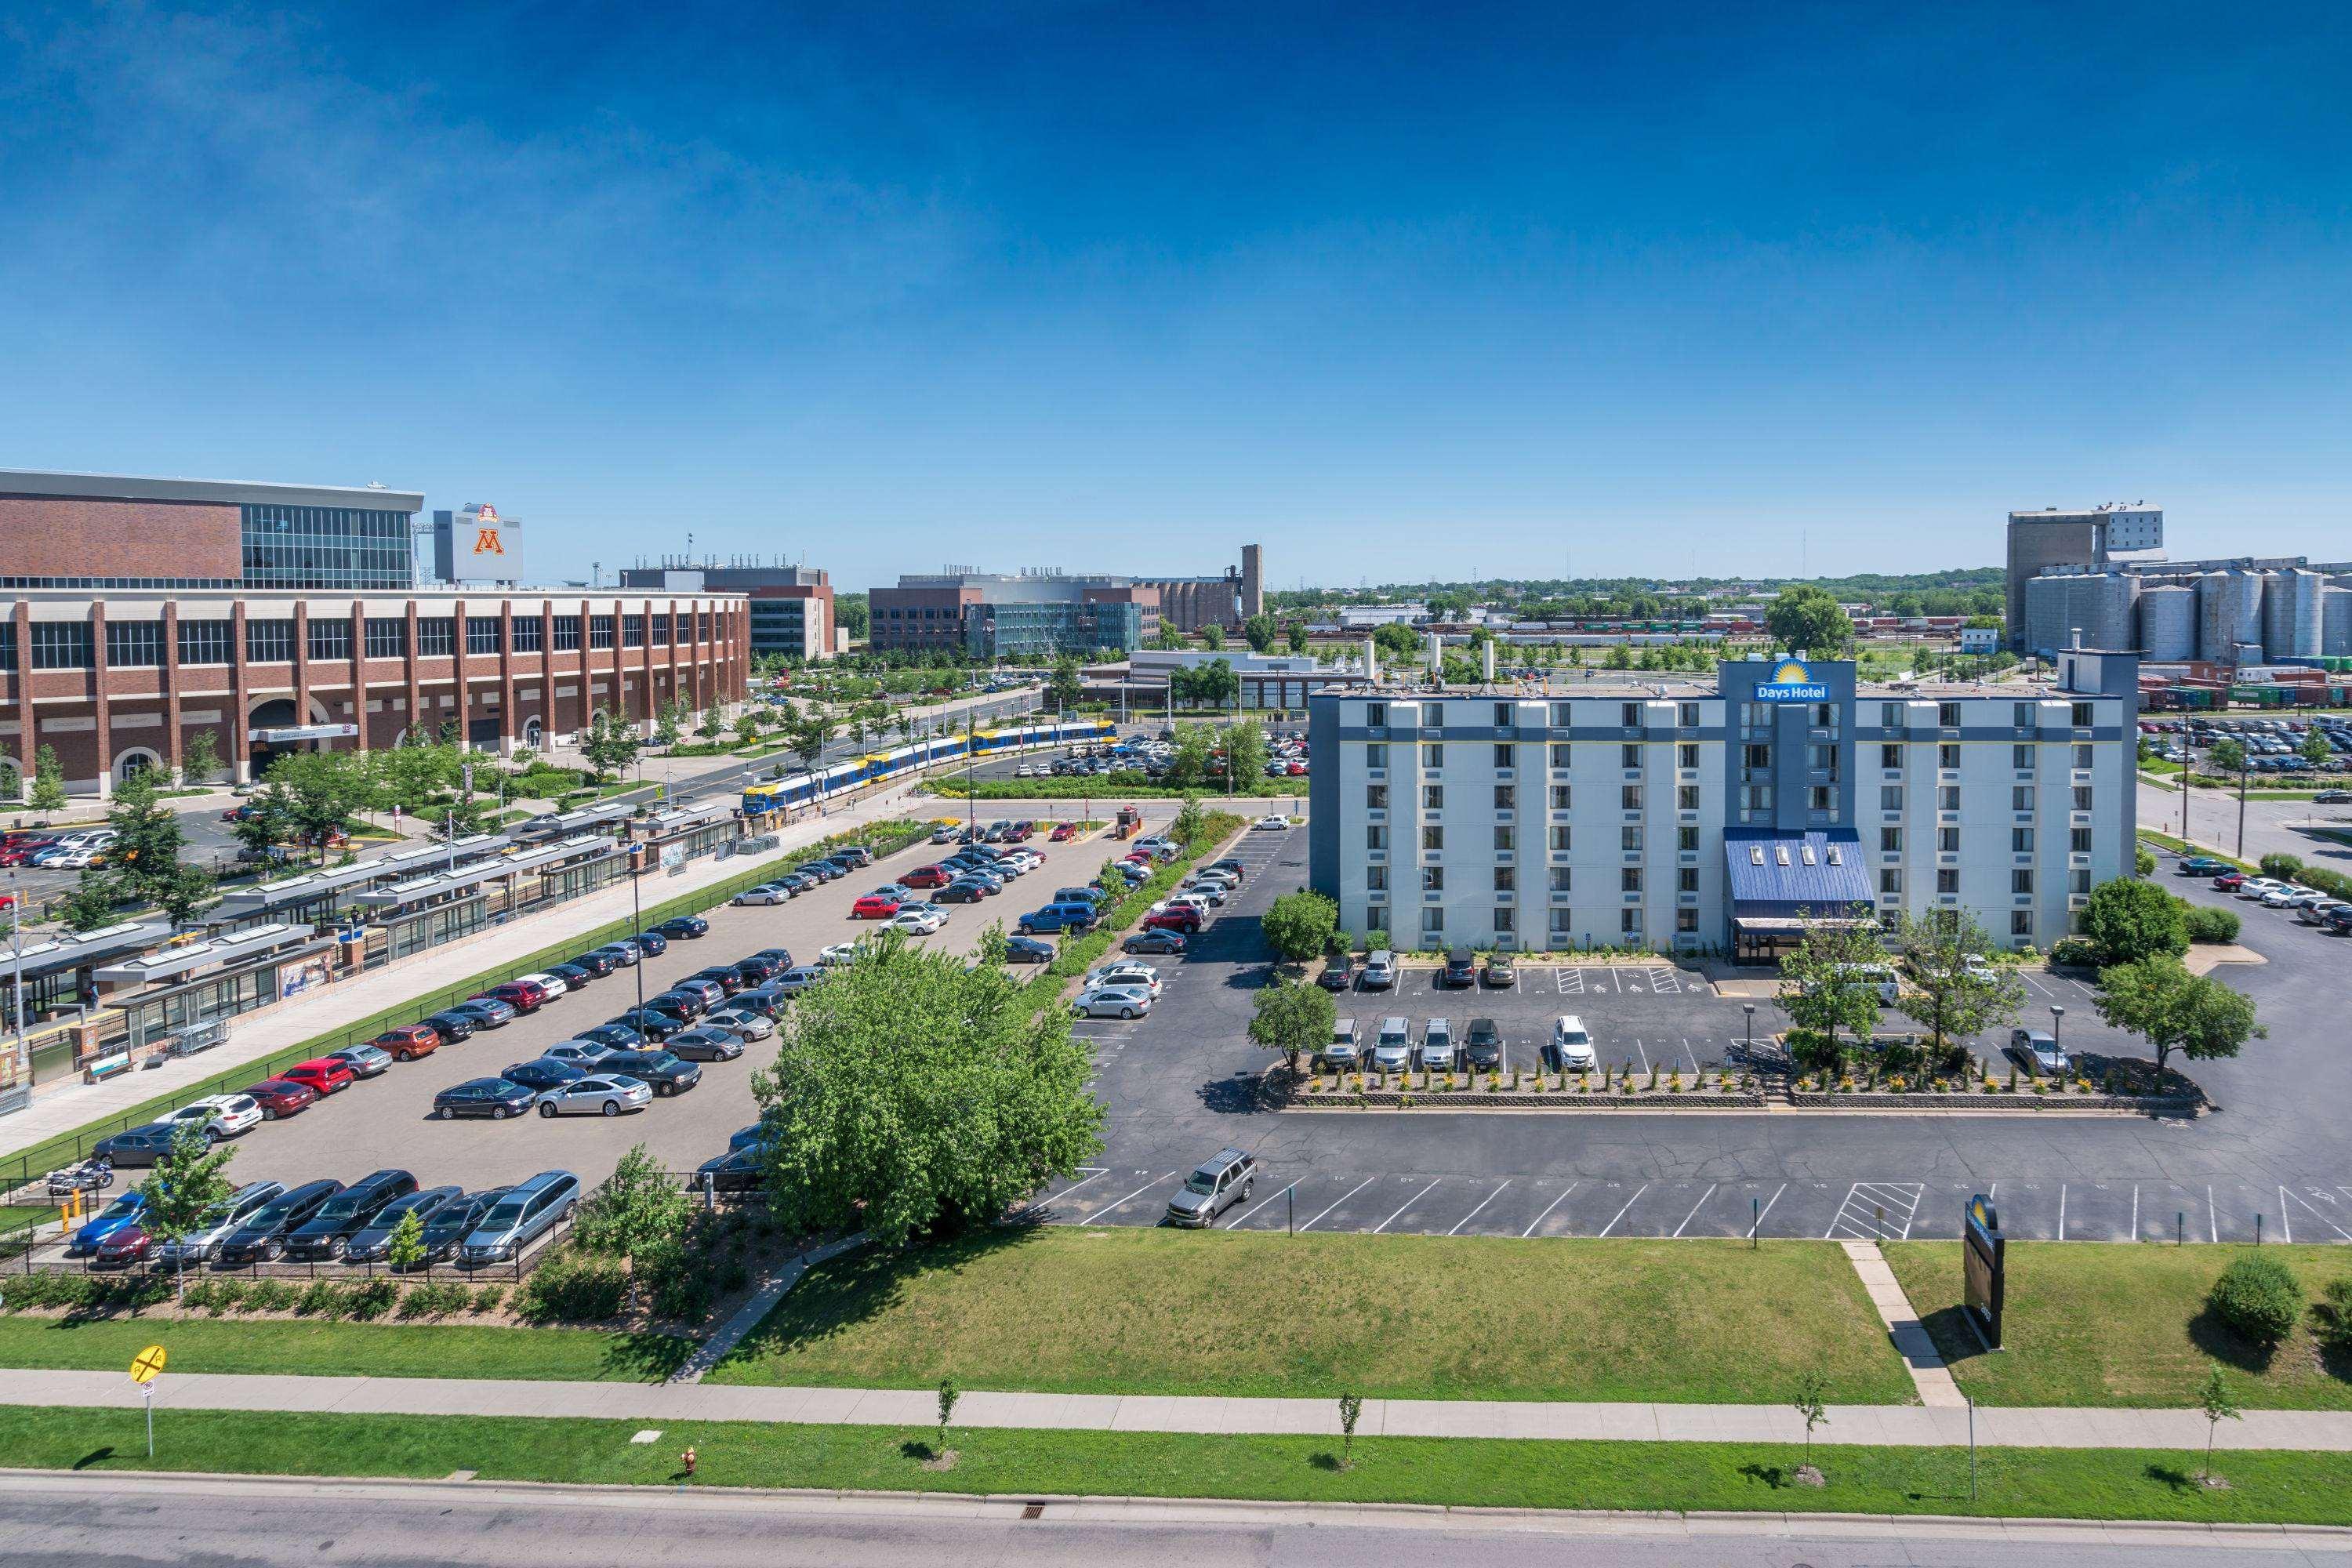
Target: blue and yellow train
{"points": [[801, 788]]}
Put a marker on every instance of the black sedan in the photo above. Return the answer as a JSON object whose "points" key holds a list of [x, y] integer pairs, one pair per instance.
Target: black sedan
{"points": [[701, 1045], [1027, 950], [1154, 941], [596, 962], [573, 975], [741, 1170], [684, 927], [798, 881], [960, 893], [613, 1037], [263, 1236], [650, 1021], [137, 1145], [496, 1098], [453, 1026], [455, 1220], [538, 1075], [666, 1073]]}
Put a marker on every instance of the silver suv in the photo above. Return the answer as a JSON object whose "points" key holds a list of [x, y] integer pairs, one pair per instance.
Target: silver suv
{"points": [[1220, 1183]]}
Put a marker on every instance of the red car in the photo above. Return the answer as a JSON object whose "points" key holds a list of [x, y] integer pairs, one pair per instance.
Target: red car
{"points": [[19, 850], [873, 906], [126, 1246], [320, 1073], [409, 1041], [522, 996], [1020, 832], [926, 877], [280, 1097], [1063, 832], [2230, 882], [1183, 917]]}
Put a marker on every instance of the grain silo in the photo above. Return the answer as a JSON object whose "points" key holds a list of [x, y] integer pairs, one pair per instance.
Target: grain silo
{"points": [[2290, 614], [2097, 604], [2335, 624], [2229, 613], [2167, 622]]}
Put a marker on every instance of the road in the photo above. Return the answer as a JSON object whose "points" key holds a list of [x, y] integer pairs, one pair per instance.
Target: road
{"points": [[104, 1521], [2273, 826]]}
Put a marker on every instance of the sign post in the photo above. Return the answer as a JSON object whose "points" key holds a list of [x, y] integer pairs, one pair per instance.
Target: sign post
{"points": [[144, 1369], [1984, 1269]]}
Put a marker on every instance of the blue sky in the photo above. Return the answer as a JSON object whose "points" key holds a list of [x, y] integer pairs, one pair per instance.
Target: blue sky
{"points": [[1398, 290]]}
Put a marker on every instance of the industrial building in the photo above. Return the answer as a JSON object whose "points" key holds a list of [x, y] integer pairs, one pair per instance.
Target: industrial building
{"points": [[2039, 541], [1688, 816], [2243, 612], [791, 606]]}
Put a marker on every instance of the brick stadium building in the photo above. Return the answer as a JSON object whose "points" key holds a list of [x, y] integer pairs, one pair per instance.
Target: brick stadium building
{"points": [[140, 611]]}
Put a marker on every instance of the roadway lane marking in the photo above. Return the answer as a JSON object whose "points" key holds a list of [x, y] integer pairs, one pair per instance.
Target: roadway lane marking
{"points": [[1621, 1213], [1137, 1194], [1696, 1206], [1342, 1198], [1757, 1229], [1489, 1198], [1407, 1204], [1548, 1208]]}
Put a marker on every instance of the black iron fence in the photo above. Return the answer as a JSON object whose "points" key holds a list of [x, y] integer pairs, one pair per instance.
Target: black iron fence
{"points": [[50, 1255]]}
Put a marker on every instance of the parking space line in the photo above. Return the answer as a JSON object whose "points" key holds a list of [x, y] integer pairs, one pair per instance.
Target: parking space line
{"points": [[1258, 1206], [1099, 1171], [2061, 1211], [1342, 1198], [2213, 1215], [2323, 1219], [2135, 1231], [1692, 1055], [1489, 1198], [1757, 1227], [1635, 987], [1137, 1194], [2286, 1225], [1696, 1206], [1621, 1213], [1548, 1208], [1406, 1204], [1645, 1056], [2036, 985]]}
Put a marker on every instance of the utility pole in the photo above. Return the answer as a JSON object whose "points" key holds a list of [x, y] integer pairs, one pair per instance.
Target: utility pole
{"points": [[17, 984], [2242, 760]]}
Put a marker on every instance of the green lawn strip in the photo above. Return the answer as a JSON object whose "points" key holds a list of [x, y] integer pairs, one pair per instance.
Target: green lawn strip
{"points": [[1062, 1309], [961, 787], [317, 1348], [885, 839], [24, 1217], [2121, 1325], [2182, 846], [1078, 953], [2096, 1483]]}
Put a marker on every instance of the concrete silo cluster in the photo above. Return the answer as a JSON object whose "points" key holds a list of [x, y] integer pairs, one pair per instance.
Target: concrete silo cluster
{"points": [[2226, 613]]}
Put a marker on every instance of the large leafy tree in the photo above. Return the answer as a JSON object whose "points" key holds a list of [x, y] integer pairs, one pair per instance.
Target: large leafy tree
{"points": [[811, 733], [1299, 925], [269, 819], [2196, 1015], [639, 1213], [49, 787], [1807, 617], [1293, 1018], [189, 1182], [1823, 987], [1260, 631], [147, 836], [1062, 685], [322, 790], [1956, 991], [910, 1097], [2129, 920], [609, 746], [1245, 753], [1394, 640], [1213, 636]]}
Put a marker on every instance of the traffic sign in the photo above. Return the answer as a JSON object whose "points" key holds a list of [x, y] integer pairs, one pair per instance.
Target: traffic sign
{"points": [[147, 1363]]}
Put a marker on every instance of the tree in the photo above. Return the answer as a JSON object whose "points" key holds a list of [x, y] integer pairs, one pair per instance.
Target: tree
{"points": [[1062, 685], [1259, 632], [267, 821], [2227, 756], [1825, 986], [1956, 993], [669, 723], [147, 836], [1212, 684], [949, 1396], [639, 1213], [1299, 925], [1189, 763], [1394, 640], [1807, 617], [185, 1188], [2318, 755], [1191, 823], [1295, 634], [711, 726], [992, 947], [1808, 1404], [323, 789], [48, 781], [1244, 755], [610, 746], [1213, 636], [850, 612], [1167, 639], [2129, 920], [410, 774], [404, 1248], [1293, 1018], [93, 902], [747, 726], [810, 736], [199, 758], [1351, 1410], [2219, 1405], [911, 1097], [2195, 1014], [184, 894]]}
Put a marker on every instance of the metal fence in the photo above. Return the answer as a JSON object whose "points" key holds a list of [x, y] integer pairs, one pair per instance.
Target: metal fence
{"points": [[50, 1256]]}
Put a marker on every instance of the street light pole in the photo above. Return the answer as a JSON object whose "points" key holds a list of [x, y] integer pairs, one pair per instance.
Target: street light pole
{"points": [[16, 983], [2057, 1045]]}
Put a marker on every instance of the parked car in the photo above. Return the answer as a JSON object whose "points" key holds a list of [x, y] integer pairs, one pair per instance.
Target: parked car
{"points": [[743, 1169], [141, 1145], [1112, 1001], [455, 1220], [687, 999], [496, 1098], [528, 1211], [1070, 915], [1438, 1052], [763, 967], [542, 1073], [220, 1115], [280, 1097], [613, 1037], [873, 906], [1501, 971], [326, 1235], [2229, 881], [663, 1070], [1275, 823], [548, 981], [365, 1061], [1160, 941], [726, 976], [2039, 1049], [525, 997], [598, 962], [1392, 1045], [1125, 971], [687, 927], [2203, 865], [216, 1222], [797, 979], [1378, 972], [453, 1026], [596, 1096], [620, 954], [1461, 968], [373, 1243], [263, 1235], [487, 1012], [1345, 1050], [1220, 1181], [765, 893], [710, 1044], [1027, 950], [406, 1042], [1572, 1046], [648, 944], [922, 921], [933, 876], [1483, 1045], [325, 1074], [1181, 918], [126, 1210]]}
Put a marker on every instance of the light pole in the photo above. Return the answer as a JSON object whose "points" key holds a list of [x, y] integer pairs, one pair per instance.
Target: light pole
{"points": [[637, 916], [1750, 1008], [2057, 1046], [17, 982]]}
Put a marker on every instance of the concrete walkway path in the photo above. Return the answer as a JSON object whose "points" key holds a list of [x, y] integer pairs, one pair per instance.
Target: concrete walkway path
{"points": [[1897, 1426], [1920, 1357]]}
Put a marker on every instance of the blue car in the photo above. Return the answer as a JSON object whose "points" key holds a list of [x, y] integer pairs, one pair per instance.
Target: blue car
{"points": [[648, 944], [543, 1073], [120, 1214], [1027, 950]]}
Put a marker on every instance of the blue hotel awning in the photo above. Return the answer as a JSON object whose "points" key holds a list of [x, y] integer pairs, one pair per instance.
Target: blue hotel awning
{"points": [[1786, 874]]}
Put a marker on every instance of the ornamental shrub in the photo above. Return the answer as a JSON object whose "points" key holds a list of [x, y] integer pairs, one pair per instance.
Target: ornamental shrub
{"points": [[2259, 1298], [2210, 925]]}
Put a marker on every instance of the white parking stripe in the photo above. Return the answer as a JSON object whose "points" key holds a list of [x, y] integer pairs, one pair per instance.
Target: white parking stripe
{"points": [[1258, 1206], [1548, 1208], [2321, 1217], [1342, 1198], [1098, 1172], [1621, 1213], [1695, 1208], [1645, 1054], [2286, 1224], [1489, 1198], [2061, 1211], [1757, 1226], [2213, 1215], [2134, 1230], [1693, 1055], [1406, 1204], [1139, 1192]]}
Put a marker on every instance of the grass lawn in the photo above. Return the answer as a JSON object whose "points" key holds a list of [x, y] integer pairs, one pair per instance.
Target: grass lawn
{"points": [[23, 1217], [1062, 1309], [2119, 1325], [2292, 1488], [314, 1348], [2182, 846]]}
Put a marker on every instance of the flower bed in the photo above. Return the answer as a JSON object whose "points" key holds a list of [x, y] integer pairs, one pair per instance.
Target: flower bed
{"points": [[1523, 1090]]}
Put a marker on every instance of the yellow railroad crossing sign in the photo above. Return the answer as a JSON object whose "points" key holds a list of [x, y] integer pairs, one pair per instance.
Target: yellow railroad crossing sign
{"points": [[147, 1363]]}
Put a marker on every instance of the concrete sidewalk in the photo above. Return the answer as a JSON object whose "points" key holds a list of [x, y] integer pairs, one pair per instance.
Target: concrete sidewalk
{"points": [[1893, 1426]]}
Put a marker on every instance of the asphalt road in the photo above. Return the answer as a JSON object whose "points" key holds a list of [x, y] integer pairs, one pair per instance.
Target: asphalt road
{"points": [[2273, 826], [114, 1522]]}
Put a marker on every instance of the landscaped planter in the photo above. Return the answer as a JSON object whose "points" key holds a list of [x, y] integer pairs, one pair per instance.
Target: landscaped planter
{"points": [[1473, 1095], [2002, 1101]]}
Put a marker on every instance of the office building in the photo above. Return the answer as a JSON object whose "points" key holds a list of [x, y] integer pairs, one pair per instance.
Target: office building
{"points": [[1725, 816], [791, 606], [1029, 614], [141, 612]]}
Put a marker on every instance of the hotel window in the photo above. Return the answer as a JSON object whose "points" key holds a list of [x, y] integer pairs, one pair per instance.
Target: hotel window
{"points": [[1687, 797], [1948, 714], [1629, 755], [2021, 880], [1507, 797], [1630, 714], [1947, 756], [1947, 881], [1433, 756], [661, 626], [1686, 921], [1686, 757], [1561, 840], [1890, 756], [1890, 879], [2083, 755], [1687, 880], [1629, 796], [567, 634], [1376, 879], [1754, 756], [1502, 715], [1824, 715], [1433, 839], [1890, 798], [1376, 798], [436, 637], [387, 636], [1890, 715], [1376, 755], [1563, 926], [1502, 756], [2078, 881], [1628, 838], [1506, 839], [2021, 714], [633, 631], [1947, 798], [2020, 841], [1819, 798], [1376, 715], [205, 642], [1561, 880], [2082, 715], [268, 642], [1507, 879], [2020, 797], [330, 639], [1562, 715], [1563, 797], [2020, 922], [1630, 922], [1687, 840], [136, 643], [2078, 840], [2081, 797], [1890, 841], [1433, 920], [1432, 797], [600, 631], [1948, 840], [1376, 836], [481, 634], [1507, 920], [1629, 879], [1560, 754], [1432, 879], [1686, 715], [526, 634], [2021, 757], [1760, 798]]}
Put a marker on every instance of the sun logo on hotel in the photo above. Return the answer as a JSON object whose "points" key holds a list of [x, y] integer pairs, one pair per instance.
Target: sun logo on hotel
{"points": [[1790, 672]]}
